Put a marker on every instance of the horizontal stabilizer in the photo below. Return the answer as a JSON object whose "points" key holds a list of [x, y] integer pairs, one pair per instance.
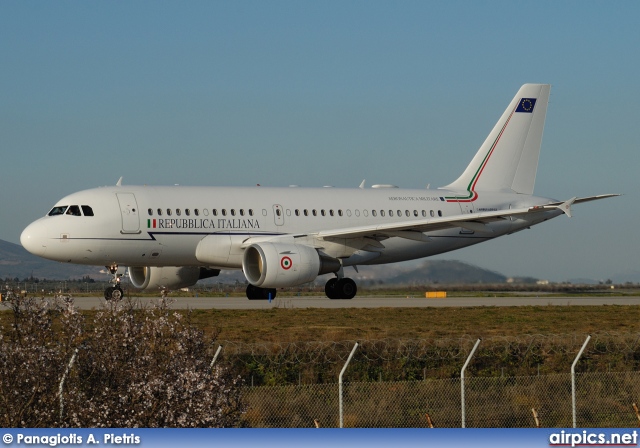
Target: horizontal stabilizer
{"points": [[565, 206]]}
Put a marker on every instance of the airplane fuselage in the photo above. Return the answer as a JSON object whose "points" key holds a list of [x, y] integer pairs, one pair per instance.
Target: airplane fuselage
{"points": [[162, 226]]}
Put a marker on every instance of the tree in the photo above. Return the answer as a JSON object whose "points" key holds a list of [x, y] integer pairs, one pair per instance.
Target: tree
{"points": [[134, 368]]}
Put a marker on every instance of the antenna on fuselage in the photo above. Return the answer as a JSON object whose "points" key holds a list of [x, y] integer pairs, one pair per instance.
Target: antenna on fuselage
{"points": [[119, 183], [362, 183]]}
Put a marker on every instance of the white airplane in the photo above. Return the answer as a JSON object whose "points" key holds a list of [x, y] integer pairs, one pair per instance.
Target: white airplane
{"points": [[172, 236]]}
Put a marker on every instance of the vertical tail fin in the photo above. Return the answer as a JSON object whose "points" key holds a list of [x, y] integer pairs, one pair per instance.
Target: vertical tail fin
{"points": [[508, 158]]}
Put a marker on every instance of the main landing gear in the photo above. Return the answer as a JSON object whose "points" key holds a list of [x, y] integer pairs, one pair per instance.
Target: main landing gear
{"points": [[113, 292], [256, 293], [340, 288]]}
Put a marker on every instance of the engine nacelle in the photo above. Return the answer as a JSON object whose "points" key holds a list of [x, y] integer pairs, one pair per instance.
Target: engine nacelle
{"points": [[276, 265], [168, 277]]}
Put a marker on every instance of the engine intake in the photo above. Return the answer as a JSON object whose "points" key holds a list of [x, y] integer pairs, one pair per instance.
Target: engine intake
{"points": [[274, 265]]}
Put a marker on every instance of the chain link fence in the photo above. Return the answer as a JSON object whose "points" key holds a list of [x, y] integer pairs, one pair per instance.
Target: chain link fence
{"points": [[603, 400]]}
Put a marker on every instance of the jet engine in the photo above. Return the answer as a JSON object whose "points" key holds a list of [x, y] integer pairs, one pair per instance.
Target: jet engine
{"points": [[276, 265], [168, 277]]}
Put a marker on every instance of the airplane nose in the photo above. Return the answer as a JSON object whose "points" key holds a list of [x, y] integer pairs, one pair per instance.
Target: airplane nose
{"points": [[30, 241]]}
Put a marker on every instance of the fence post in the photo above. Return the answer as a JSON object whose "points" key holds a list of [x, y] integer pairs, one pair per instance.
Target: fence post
{"points": [[573, 379], [213, 361], [340, 382], [462, 380], [64, 377]]}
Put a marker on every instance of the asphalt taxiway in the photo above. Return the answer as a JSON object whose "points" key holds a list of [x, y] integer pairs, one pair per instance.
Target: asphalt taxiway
{"points": [[241, 303]]}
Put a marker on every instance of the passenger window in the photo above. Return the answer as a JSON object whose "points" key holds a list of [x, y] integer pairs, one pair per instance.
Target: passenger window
{"points": [[159, 212], [278, 212], [168, 212], [391, 213], [374, 213], [400, 213], [297, 212], [241, 212], [407, 214], [250, 212], [148, 211], [214, 212], [224, 212], [187, 212], [331, 212], [339, 212], [382, 213], [315, 213], [415, 213], [322, 212], [178, 212], [58, 210], [306, 212], [196, 212], [431, 213], [88, 211], [424, 213], [440, 213], [233, 212]]}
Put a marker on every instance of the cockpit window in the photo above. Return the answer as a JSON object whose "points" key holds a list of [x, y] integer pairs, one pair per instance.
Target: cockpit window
{"points": [[59, 210], [86, 210], [74, 210]]}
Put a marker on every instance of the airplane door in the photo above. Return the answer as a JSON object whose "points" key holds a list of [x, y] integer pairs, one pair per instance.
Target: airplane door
{"points": [[466, 207], [278, 214], [129, 213]]}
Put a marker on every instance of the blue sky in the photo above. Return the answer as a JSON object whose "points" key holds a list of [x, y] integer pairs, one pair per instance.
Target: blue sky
{"points": [[325, 93]]}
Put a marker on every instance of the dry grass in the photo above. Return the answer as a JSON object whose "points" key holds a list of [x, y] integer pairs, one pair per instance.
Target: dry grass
{"points": [[291, 325], [315, 324]]}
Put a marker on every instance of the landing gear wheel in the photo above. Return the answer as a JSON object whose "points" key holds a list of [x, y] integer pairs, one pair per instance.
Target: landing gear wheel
{"points": [[330, 289], [346, 288], [256, 293], [343, 288], [113, 293]]}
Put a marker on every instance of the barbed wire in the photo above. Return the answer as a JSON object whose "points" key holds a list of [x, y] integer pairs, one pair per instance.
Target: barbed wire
{"points": [[451, 350]]}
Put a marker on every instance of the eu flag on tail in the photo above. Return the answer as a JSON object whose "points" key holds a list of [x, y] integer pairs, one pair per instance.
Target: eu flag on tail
{"points": [[526, 105]]}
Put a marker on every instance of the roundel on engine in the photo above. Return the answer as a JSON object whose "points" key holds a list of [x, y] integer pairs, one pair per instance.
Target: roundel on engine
{"points": [[275, 265], [286, 263]]}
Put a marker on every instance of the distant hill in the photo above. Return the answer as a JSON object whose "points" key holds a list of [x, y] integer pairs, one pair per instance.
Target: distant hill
{"points": [[429, 271], [15, 261]]}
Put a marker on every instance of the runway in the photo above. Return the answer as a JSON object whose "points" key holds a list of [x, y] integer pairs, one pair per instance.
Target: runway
{"points": [[241, 303]]}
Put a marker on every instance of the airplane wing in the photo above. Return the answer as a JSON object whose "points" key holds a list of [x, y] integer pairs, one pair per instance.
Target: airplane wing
{"points": [[414, 230]]}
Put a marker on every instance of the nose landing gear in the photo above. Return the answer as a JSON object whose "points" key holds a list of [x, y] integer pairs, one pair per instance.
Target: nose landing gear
{"points": [[114, 292]]}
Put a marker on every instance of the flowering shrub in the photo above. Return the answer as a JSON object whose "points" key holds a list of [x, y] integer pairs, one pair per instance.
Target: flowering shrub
{"points": [[133, 368]]}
